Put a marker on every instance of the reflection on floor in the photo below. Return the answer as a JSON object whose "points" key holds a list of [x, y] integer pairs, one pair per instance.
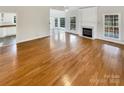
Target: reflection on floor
{"points": [[62, 59], [7, 41]]}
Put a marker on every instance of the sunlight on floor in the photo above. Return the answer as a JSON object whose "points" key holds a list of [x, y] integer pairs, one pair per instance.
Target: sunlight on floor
{"points": [[66, 80]]}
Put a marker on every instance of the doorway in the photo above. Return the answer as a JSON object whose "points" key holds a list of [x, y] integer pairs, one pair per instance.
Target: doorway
{"points": [[57, 20], [7, 29]]}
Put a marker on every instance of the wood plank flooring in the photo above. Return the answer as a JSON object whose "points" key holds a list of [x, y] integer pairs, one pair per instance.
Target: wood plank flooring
{"points": [[6, 41], [62, 59]]}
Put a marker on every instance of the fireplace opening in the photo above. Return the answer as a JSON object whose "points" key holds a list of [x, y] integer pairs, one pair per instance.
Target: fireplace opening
{"points": [[87, 32]]}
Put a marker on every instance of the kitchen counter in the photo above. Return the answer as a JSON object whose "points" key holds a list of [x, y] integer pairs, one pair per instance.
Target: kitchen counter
{"points": [[7, 30], [9, 25]]}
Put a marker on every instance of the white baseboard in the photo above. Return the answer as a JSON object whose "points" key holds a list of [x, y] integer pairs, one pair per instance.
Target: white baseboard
{"points": [[38, 37], [119, 42]]}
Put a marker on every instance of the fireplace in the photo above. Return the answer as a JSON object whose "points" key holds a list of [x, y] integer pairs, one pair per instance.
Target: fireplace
{"points": [[87, 32]]}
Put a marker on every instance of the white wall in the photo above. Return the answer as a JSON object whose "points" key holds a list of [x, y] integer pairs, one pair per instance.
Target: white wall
{"points": [[106, 10], [32, 22]]}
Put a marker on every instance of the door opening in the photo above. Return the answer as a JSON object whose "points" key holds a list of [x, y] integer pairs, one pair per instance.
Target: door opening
{"points": [[7, 29]]}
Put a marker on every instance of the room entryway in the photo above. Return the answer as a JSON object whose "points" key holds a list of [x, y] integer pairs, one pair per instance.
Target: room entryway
{"points": [[7, 29], [57, 20]]}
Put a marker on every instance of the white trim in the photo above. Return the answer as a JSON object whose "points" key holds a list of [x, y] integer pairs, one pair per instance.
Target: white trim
{"points": [[38, 37], [118, 42]]}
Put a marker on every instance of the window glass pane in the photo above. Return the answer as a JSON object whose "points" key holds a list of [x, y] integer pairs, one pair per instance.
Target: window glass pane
{"points": [[56, 22], [14, 19], [72, 23], [62, 22]]}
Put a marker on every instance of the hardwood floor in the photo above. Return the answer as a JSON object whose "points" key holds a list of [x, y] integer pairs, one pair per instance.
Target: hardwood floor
{"points": [[9, 40], [62, 59]]}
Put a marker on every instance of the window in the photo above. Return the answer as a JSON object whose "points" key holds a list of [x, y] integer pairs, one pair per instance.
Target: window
{"points": [[72, 23], [56, 22], [14, 19], [111, 26], [62, 22]]}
